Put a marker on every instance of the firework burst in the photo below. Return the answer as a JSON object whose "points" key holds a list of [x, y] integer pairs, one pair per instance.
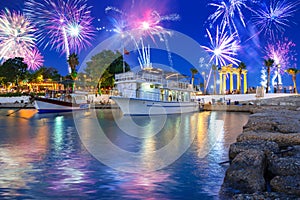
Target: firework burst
{"points": [[64, 25], [34, 59], [16, 35], [274, 18], [223, 47], [283, 54], [227, 10]]}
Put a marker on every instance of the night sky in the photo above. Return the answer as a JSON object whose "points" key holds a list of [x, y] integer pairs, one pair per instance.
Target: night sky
{"points": [[193, 23]]}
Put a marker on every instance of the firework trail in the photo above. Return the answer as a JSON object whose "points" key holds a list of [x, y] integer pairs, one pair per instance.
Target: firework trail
{"points": [[16, 35], [64, 25], [223, 47], [227, 10], [34, 59], [274, 18]]}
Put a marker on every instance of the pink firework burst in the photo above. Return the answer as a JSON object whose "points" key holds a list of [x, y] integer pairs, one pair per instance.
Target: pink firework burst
{"points": [[34, 59], [283, 53]]}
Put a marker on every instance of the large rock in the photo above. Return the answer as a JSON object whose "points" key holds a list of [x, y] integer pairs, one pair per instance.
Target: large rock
{"points": [[265, 146], [286, 164], [271, 120], [286, 184], [246, 173], [280, 138], [265, 195]]}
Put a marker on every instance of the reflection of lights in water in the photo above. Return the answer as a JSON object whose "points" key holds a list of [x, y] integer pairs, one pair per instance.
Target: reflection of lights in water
{"points": [[210, 132], [58, 132]]}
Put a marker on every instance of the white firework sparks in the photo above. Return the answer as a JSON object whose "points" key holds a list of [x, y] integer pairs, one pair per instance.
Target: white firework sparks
{"points": [[16, 35], [274, 18], [223, 47], [227, 10]]}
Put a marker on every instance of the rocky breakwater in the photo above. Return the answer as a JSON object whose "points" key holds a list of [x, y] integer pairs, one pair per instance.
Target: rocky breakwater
{"points": [[265, 160]]}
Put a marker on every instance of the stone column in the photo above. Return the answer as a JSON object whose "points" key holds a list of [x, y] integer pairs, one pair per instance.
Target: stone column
{"points": [[238, 81], [245, 82], [224, 84], [231, 82], [221, 82]]}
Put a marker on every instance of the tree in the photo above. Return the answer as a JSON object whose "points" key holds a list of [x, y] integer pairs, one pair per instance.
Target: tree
{"points": [[241, 67], [215, 68], [194, 71], [73, 62], [293, 72], [47, 73], [103, 66], [13, 70], [268, 63]]}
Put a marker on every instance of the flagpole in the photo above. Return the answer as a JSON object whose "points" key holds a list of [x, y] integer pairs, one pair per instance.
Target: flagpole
{"points": [[123, 59]]}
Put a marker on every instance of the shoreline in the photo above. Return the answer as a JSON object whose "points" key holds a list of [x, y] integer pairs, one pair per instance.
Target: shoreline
{"points": [[264, 160]]}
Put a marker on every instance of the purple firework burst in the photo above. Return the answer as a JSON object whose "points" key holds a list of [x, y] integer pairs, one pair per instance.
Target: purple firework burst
{"points": [[68, 24], [283, 53]]}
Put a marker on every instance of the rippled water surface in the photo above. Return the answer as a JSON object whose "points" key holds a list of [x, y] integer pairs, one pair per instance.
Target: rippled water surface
{"points": [[45, 156]]}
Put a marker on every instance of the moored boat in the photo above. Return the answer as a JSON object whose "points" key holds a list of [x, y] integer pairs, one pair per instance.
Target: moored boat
{"points": [[55, 101], [153, 91]]}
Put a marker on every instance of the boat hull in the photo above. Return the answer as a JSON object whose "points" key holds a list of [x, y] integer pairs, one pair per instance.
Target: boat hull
{"points": [[134, 106], [44, 105]]}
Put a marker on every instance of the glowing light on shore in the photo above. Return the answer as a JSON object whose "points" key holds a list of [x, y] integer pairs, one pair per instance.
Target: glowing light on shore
{"points": [[16, 35]]}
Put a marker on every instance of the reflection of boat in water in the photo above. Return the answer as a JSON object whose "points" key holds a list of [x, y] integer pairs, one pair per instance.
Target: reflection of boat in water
{"points": [[55, 101], [153, 91]]}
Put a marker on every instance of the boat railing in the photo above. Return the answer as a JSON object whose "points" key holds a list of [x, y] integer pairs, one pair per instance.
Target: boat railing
{"points": [[130, 76]]}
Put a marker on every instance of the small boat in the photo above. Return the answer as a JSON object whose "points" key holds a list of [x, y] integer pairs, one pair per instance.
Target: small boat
{"points": [[55, 101], [153, 91]]}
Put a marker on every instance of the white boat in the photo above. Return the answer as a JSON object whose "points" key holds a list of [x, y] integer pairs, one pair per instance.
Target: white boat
{"points": [[152, 91], [60, 102]]}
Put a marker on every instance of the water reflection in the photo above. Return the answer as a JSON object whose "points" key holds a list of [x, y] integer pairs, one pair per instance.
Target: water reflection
{"points": [[43, 156]]}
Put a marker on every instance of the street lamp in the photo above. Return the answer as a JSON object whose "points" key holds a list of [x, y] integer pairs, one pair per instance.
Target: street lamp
{"points": [[278, 67]]}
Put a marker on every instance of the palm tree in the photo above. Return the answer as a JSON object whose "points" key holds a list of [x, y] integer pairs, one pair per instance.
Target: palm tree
{"points": [[293, 72], [193, 71], [215, 68], [268, 63], [242, 66], [73, 62]]}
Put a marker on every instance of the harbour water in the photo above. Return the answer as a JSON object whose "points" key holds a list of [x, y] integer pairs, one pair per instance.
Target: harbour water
{"points": [[45, 156]]}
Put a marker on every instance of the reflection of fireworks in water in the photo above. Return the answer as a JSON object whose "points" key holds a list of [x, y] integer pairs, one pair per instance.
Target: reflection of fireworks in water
{"points": [[34, 59], [137, 24], [227, 10], [16, 35], [274, 18], [66, 23], [223, 47]]}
